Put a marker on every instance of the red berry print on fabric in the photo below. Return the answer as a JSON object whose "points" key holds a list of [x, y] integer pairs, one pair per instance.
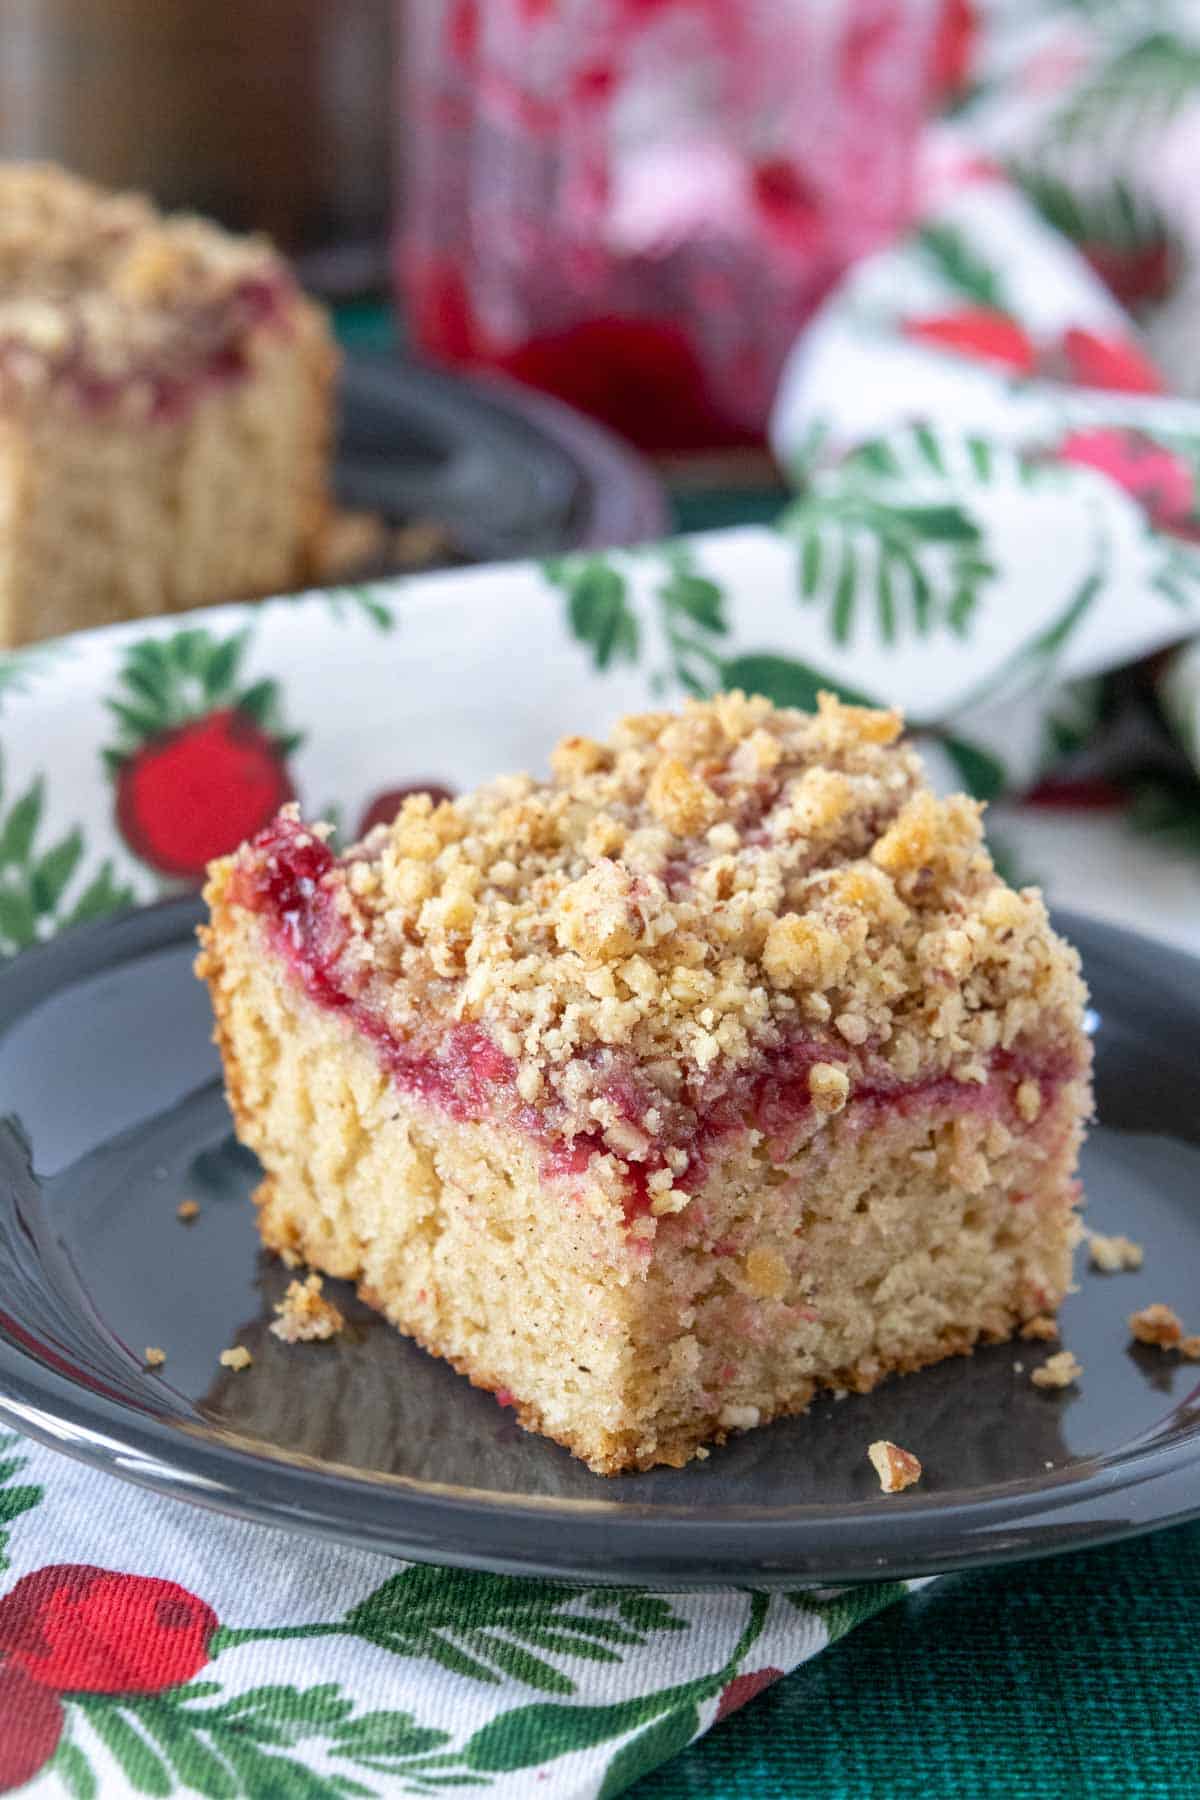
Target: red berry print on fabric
{"points": [[744, 1688], [953, 49], [79, 1629], [979, 331], [1115, 363], [1162, 482], [1139, 274], [201, 760], [31, 1722], [199, 791]]}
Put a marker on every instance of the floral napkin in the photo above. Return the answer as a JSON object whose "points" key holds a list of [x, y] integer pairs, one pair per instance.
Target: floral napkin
{"points": [[997, 506]]}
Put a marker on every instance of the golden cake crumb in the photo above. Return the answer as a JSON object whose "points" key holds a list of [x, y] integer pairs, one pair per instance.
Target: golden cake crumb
{"points": [[153, 1357], [896, 1468], [1043, 1329], [1058, 1371], [1190, 1347], [237, 1358], [1113, 1254], [1157, 1324], [187, 1210], [304, 1316]]}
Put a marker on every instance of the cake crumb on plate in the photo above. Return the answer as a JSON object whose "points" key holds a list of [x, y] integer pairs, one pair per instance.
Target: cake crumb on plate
{"points": [[304, 1316], [1058, 1371], [153, 1357], [1157, 1324], [187, 1210], [896, 1468], [1113, 1255], [236, 1358]]}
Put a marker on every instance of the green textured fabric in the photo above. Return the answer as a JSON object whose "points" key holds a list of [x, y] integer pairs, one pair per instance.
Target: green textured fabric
{"points": [[1077, 1676]]}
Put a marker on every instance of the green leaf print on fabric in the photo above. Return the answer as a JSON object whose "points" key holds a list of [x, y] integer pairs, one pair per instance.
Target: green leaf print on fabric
{"points": [[983, 775], [489, 1626], [961, 267], [74, 1771], [598, 609], [364, 601], [840, 1612], [786, 681], [1168, 811], [36, 883], [16, 1498], [19, 669], [1032, 663], [1113, 215], [528, 1735], [908, 565], [486, 1627], [238, 1747], [1135, 93], [692, 612], [663, 1740]]}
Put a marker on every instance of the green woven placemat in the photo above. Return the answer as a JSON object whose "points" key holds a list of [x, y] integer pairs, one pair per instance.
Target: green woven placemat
{"points": [[1078, 1676]]}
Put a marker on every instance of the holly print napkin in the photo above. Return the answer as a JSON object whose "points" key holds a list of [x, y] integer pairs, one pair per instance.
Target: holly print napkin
{"points": [[149, 1648]]}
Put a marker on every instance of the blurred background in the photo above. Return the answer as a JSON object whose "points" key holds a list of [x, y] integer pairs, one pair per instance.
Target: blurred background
{"points": [[269, 115], [632, 206], [651, 211]]}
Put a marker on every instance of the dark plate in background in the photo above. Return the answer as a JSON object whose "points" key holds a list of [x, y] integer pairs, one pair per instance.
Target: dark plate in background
{"points": [[111, 1111], [503, 471]]}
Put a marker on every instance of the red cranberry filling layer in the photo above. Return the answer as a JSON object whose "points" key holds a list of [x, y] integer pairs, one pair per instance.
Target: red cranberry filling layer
{"points": [[204, 350], [292, 883]]}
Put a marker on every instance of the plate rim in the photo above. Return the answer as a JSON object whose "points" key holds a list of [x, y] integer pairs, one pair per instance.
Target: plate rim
{"points": [[609, 1539]]}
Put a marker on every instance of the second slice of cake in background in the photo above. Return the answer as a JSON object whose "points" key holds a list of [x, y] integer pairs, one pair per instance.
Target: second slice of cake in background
{"points": [[166, 411], [720, 1067]]}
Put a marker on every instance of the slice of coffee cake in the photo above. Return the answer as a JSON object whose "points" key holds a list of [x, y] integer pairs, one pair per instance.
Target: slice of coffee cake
{"points": [[719, 1067], [166, 411]]}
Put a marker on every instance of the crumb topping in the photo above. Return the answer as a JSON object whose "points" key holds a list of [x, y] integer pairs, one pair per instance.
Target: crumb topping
{"points": [[1040, 1330], [1113, 1254], [100, 287], [304, 1316], [897, 1469], [1059, 1371], [1157, 1324], [702, 889], [236, 1358]]}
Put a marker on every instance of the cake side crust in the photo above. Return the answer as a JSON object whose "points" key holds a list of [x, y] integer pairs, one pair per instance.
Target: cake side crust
{"points": [[722, 1259]]}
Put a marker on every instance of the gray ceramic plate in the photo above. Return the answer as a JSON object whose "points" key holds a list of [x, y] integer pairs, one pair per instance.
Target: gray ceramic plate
{"points": [[111, 1111]]}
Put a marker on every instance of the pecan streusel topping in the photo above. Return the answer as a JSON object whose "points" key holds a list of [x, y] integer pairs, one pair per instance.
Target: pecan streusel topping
{"points": [[693, 894], [99, 288]]}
